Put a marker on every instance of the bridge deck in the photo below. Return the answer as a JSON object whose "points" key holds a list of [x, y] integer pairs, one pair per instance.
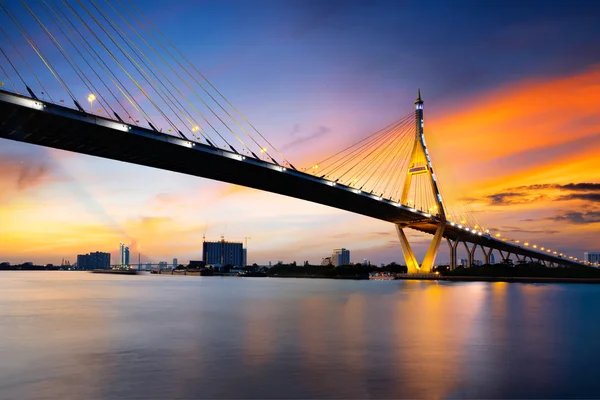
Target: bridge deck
{"points": [[50, 125]]}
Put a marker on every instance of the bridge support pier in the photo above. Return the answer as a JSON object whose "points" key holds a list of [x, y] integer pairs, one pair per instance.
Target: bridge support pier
{"points": [[409, 256], [504, 258], [487, 255], [453, 252], [470, 254]]}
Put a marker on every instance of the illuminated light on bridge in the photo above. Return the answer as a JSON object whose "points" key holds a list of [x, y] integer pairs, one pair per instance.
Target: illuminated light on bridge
{"points": [[393, 162]]}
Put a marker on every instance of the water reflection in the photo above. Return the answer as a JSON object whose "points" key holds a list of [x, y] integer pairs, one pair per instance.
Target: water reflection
{"points": [[74, 335]]}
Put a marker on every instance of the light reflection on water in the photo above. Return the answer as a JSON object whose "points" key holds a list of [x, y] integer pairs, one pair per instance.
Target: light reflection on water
{"points": [[79, 335]]}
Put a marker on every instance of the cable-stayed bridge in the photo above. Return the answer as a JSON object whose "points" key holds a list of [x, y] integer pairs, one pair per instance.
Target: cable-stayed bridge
{"points": [[149, 105]]}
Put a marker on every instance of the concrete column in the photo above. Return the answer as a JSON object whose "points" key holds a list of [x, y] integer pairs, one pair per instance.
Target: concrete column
{"points": [[487, 254], [470, 253], [409, 257], [453, 246]]}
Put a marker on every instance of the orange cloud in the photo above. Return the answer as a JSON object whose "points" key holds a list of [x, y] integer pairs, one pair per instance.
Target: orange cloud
{"points": [[498, 146]]}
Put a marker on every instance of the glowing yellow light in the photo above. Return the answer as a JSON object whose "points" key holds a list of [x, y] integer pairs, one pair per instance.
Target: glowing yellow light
{"points": [[316, 166], [535, 246], [263, 150], [196, 128], [91, 97], [526, 243], [542, 249], [497, 235]]}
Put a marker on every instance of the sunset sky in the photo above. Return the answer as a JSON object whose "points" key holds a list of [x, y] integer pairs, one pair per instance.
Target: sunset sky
{"points": [[512, 120]]}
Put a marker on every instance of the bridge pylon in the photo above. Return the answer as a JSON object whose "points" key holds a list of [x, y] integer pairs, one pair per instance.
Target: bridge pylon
{"points": [[420, 163]]}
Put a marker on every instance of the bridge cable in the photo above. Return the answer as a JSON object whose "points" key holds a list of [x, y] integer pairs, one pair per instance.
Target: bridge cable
{"points": [[56, 17], [373, 165], [387, 150], [202, 100], [26, 63], [39, 52], [100, 62], [130, 97], [395, 172], [179, 76], [191, 120], [135, 65], [13, 67], [124, 89], [87, 83], [360, 153], [140, 70], [357, 156], [392, 150], [402, 166], [206, 80], [385, 129], [160, 93], [369, 164]]}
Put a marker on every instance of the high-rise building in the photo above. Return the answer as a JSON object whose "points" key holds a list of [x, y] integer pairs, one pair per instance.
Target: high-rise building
{"points": [[224, 253], [592, 257], [162, 265], [492, 259], [95, 260], [175, 263], [124, 255], [340, 257]]}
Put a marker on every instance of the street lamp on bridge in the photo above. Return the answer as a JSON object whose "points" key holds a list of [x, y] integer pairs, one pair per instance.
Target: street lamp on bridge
{"points": [[91, 99]]}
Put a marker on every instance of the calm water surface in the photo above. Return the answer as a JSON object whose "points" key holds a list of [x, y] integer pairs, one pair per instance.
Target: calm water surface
{"points": [[83, 336]]}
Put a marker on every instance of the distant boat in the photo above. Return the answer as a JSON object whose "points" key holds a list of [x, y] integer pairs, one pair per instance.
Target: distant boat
{"points": [[115, 271], [382, 277]]}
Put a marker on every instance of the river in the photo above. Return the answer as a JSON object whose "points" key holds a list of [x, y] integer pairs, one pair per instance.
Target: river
{"points": [[86, 336]]}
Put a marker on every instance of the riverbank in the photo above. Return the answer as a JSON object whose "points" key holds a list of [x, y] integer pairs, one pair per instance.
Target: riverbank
{"points": [[526, 273]]}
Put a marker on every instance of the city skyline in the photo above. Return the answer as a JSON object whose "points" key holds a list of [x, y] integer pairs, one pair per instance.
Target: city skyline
{"points": [[312, 96]]}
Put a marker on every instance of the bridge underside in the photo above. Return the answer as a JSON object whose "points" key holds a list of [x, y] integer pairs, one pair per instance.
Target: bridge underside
{"points": [[35, 122]]}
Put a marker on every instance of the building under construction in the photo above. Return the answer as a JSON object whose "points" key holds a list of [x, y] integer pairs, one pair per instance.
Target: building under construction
{"points": [[224, 253]]}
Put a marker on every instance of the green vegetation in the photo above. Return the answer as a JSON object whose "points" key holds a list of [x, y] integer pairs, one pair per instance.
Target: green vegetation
{"points": [[28, 267], [526, 270]]}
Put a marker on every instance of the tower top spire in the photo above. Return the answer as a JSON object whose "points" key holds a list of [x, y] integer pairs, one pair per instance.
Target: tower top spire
{"points": [[419, 101]]}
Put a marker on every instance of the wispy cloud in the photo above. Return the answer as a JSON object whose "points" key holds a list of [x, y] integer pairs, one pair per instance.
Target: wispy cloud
{"points": [[320, 132], [578, 217], [589, 192]]}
